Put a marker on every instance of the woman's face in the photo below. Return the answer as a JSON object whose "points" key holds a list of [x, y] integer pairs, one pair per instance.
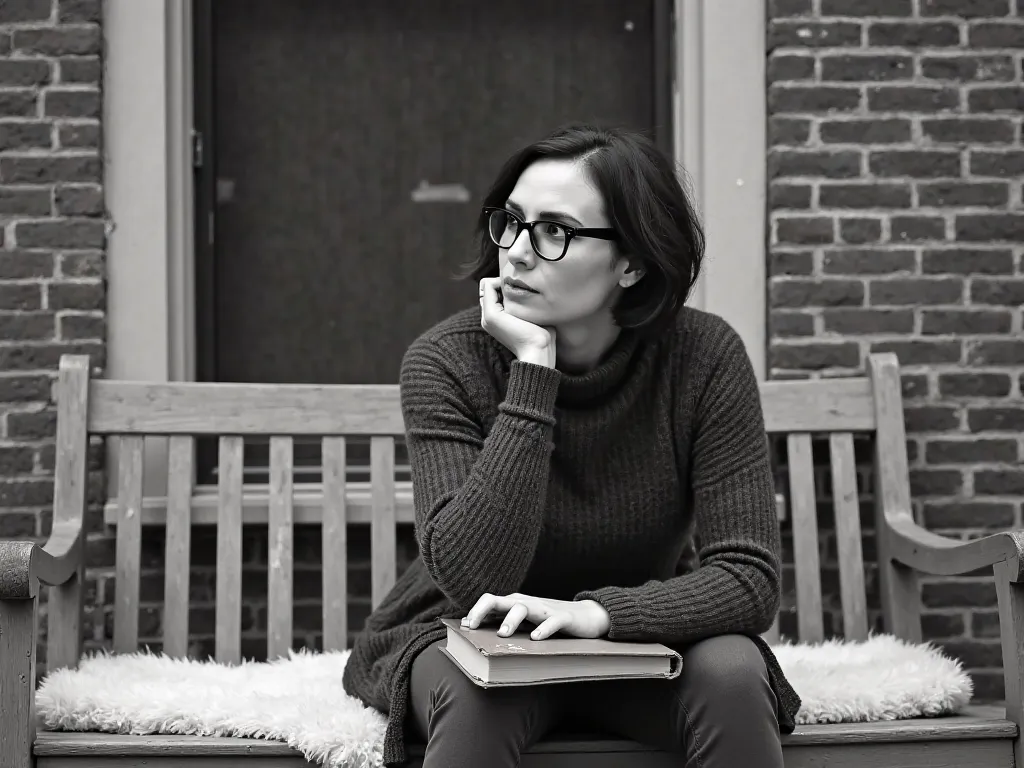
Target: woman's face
{"points": [[584, 283]]}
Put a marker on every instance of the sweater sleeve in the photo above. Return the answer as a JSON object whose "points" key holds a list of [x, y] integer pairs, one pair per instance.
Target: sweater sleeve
{"points": [[478, 498], [737, 587]]}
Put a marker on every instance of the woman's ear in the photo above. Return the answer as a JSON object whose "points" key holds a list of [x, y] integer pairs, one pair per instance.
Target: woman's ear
{"points": [[631, 275]]}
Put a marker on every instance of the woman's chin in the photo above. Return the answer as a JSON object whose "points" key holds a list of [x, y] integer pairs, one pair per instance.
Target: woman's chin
{"points": [[527, 314]]}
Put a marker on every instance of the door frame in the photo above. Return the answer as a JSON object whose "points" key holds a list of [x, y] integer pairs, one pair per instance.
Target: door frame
{"points": [[717, 51]]}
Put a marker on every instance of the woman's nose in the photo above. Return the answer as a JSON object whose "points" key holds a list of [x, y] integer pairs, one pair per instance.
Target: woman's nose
{"points": [[522, 249]]}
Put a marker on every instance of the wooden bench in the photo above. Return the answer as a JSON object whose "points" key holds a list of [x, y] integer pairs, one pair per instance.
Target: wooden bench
{"points": [[126, 412]]}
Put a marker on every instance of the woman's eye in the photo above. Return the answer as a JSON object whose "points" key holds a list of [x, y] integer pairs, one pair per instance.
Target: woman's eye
{"points": [[553, 230]]}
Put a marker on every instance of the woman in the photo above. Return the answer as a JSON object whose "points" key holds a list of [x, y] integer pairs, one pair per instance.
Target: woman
{"points": [[567, 440]]}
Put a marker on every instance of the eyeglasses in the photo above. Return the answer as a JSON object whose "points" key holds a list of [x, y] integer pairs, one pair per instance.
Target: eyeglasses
{"points": [[550, 240]]}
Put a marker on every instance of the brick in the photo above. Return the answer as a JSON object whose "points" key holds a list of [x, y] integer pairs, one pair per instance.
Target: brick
{"points": [[870, 67], [25, 492], [867, 8], [864, 195], [23, 296], [968, 514], [857, 230], [996, 352], [15, 460], [817, 99], [917, 163], [791, 263], [827, 164], [791, 131], [16, 201], [964, 9], [779, 8], [958, 130], [65, 233], [1002, 292], [17, 389], [75, 327], [867, 261], [78, 135], [34, 357], [985, 623], [60, 102], [989, 227], [82, 264], [931, 418], [971, 451], [906, 229], [982, 419], [914, 385], [1003, 98], [790, 67], [939, 625], [935, 482], [24, 72], [789, 196], [80, 69], [967, 69], [25, 265], [920, 352], [974, 384], [999, 482], [21, 11], [5, 43], [996, 34], [975, 653], [996, 163], [865, 131], [59, 41], [79, 200], [966, 261], [813, 34], [18, 102], [47, 170], [18, 525], [912, 34], [76, 296], [25, 135], [78, 11], [32, 426], [798, 293], [956, 194], [912, 98], [988, 686], [855, 322], [27, 326], [814, 356], [805, 230], [915, 291], [783, 324], [952, 322]]}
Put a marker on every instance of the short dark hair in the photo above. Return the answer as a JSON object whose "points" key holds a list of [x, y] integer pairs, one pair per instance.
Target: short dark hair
{"points": [[644, 200]]}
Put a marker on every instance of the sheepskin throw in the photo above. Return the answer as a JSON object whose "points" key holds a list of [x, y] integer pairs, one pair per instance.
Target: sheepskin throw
{"points": [[299, 700]]}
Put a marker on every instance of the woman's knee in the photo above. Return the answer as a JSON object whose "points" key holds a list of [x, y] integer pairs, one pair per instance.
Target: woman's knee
{"points": [[728, 668]]}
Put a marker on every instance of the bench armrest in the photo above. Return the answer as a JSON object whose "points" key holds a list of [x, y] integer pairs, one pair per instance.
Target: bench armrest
{"points": [[937, 555], [24, 564]]}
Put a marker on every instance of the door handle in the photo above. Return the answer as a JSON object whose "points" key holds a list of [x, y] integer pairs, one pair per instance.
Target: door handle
{"points": [[440, 193]]}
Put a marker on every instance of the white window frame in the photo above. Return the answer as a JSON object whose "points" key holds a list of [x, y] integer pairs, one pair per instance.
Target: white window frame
{"points": [[719, 111]]}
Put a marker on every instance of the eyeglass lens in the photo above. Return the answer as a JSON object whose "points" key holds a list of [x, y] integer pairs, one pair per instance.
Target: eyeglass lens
{"points": [[548, 238]]}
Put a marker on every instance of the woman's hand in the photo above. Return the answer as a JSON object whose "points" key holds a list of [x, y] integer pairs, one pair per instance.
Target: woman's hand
{"points": [[528, 342], [579, 618]]}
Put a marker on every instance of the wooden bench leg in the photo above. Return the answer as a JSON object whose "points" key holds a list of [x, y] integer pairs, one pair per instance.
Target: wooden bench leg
{"points": [[1011, 628], [17, 682]]}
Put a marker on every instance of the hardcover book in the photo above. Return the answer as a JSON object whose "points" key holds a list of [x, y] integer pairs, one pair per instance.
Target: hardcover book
{"points": [[491, 660]]}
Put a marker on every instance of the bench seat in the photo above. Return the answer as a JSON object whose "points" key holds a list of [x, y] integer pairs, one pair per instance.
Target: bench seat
{"points": [[980, 736]]}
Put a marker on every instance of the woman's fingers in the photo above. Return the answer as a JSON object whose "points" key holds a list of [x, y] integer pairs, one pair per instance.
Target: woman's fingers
{"points": [[548, 627], [483, 607], [513, 619]]}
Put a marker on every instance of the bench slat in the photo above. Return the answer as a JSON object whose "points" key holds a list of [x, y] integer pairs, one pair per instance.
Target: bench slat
{"points": [[335, 546], [228, 637], [848, 542], [821, 405], [805, 538], [382, 529], [177, 558], [280, 550], [128, 550]]}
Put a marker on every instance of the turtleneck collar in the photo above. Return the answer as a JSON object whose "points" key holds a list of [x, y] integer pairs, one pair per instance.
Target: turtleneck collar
{"points": [[605, 378]]}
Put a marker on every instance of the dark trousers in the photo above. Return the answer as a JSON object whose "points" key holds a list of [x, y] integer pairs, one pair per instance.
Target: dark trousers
{"points": [[719, 712]]}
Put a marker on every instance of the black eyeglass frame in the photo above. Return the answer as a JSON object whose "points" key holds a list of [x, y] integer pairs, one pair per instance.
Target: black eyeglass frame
{"points": [[600, 233]]}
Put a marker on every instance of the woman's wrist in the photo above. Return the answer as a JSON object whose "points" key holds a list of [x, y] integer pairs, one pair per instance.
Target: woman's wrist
{"points": [[541, 355]]}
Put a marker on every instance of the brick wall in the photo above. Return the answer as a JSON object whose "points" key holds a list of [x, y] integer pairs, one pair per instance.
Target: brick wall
{"points": [[896, 225], [51, 235]]}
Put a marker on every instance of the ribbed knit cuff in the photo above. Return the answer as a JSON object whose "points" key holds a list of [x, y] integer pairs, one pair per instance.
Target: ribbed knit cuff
{"points": [[623, 609], [532, 390]]}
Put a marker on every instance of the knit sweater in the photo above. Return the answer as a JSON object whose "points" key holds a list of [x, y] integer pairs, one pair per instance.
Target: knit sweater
{"points": [[582, 486]]}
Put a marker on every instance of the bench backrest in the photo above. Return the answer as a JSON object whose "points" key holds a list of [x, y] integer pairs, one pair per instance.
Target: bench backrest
{"points": [[126, 413]]}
